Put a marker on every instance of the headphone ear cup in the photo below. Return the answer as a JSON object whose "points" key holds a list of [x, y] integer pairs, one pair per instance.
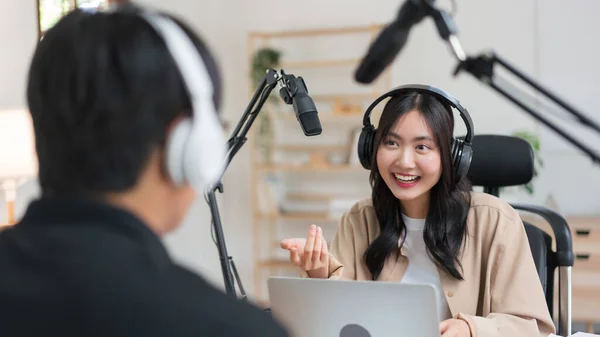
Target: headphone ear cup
{"points": [[175, 151], [205, 151], [461, 158], [366, 141], [465, 160], [195, 152]]}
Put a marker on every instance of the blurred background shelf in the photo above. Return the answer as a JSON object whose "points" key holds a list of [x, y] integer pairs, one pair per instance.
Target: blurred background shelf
{"points": [[319, 64], [299, 216], [276, 263], [298, 180], [311, 168]]}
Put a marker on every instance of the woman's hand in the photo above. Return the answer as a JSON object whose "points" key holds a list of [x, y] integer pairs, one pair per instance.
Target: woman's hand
{"points": [[455, 328], [309, 254]]}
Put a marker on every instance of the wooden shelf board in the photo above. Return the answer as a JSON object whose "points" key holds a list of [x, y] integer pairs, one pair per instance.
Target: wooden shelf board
{"points": [[581, 243], [578, 222], [317, 31], [262, 303], [320, 197], [310, 148], [326, 117], [319, 63], [276, 263], [308, 168], [345, 97], [299, 216], [7, 224]]}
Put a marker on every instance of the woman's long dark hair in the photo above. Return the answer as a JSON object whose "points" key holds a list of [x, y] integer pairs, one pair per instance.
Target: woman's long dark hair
{"points": [[445, 226]]}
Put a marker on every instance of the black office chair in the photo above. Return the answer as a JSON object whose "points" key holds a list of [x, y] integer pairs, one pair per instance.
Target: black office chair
{"points": [[502, 161]]}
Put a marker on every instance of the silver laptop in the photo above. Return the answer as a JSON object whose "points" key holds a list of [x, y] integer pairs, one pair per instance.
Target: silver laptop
{"points": [[333, 308]]}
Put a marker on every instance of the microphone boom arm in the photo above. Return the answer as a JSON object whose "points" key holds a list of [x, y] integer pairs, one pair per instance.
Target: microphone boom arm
{"points": [[236, 141], [482, 68]]}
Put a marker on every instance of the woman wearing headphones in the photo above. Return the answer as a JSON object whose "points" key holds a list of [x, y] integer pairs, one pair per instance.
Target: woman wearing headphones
{"points": [[423, 224]]}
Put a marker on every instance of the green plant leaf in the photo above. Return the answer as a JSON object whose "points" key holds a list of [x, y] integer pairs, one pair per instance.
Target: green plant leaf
{"points": [[263, 59]]}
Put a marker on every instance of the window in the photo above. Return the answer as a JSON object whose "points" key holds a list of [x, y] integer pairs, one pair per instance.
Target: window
{"points": [[50, 11]]}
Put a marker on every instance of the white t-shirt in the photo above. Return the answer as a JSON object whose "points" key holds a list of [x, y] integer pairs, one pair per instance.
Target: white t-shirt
{"points": [[420, 267]]}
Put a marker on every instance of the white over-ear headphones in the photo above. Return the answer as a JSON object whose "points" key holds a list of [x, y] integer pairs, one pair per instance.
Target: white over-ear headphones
{"points": [[196, 148]]}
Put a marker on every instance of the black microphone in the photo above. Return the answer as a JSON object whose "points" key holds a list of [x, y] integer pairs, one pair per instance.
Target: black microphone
{"points": [[391, 40], [295, 92]]}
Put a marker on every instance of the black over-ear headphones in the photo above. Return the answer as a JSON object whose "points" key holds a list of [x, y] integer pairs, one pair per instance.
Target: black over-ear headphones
{"points": [[461, 149]]}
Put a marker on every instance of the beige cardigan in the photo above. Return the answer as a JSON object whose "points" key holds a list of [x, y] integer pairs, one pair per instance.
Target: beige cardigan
{"points": [[501, 294]]}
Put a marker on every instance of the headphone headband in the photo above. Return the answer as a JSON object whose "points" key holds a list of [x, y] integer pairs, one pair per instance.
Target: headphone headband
{"points": [[196, 148], [440, 94], [186, 56], [460, 152]]}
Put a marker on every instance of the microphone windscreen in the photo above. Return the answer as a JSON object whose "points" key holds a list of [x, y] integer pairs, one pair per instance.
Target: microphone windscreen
{"points": [[380, 54], [500, 161], [311, 125]]}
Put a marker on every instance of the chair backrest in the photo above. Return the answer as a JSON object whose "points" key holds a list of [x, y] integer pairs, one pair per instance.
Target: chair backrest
{"points": [[501, 161]]}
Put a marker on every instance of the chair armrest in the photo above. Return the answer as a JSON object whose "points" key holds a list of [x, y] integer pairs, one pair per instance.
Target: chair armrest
{"points": [[560, 227]]}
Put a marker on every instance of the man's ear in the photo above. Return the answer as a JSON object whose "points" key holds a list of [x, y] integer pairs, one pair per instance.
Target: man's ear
{"points": [[171, 127], [161, 153]]}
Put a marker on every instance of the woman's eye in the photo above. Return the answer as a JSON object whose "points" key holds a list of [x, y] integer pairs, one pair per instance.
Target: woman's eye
{"points": [[390, 142], [422, 147]]}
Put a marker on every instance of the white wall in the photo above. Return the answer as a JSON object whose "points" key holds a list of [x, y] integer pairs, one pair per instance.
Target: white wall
{"points": [[546, 39], [568, 66], [18, 35]]}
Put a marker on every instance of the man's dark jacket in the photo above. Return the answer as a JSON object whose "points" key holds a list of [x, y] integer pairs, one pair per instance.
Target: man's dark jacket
{"points": [[75, 267]]}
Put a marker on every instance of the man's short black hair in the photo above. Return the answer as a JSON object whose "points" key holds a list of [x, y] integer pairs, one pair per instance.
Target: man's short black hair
{"points": [[102, 90]]}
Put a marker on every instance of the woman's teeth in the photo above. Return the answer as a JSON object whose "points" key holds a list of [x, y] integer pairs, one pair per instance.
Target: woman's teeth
{"points": [[406, 179]]}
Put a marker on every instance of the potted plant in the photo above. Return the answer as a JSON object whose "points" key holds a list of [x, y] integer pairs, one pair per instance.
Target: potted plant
{"points": [[262, 60]]}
